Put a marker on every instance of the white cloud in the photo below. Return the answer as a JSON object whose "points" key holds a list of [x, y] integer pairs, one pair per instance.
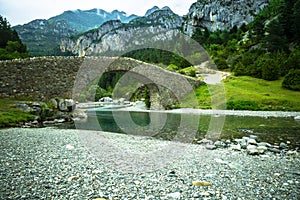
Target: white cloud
{"points": [[20, 12]]}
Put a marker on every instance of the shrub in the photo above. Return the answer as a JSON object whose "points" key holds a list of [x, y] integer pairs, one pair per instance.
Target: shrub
{"points": [[242, 105], [292, 80], [189, 71], [172, 67]]}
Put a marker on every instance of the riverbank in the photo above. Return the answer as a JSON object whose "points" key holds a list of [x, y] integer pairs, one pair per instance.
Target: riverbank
{"points": [[248, 93], [74, 164]]}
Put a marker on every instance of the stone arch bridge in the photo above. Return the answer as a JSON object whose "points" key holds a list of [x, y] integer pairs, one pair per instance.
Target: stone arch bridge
{"points": [[43, 78]]}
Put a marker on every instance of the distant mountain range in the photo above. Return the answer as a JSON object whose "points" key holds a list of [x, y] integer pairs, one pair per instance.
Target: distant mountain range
{"points": [[115, 36], [61, 33], [42, 37], [84, 20]]}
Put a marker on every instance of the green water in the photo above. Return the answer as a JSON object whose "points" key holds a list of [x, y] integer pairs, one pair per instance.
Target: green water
{"points": [[187, 127]]}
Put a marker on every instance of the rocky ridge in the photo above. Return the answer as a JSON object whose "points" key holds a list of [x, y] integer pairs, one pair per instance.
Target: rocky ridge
{"points": [[42, 35], [221, 15], [116, 36]]}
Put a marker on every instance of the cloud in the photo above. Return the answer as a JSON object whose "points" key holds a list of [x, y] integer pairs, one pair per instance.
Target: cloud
{"points": [[20, 12]]}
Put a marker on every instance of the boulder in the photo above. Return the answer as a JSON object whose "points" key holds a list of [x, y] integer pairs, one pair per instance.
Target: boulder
{"points": [[54, 103], [220, 144], [252, 150], [282, 145], [66, 105], [252, 141], [210, 147]]}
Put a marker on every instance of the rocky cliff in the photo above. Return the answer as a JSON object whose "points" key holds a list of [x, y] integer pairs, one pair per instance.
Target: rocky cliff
{"points": [[220, 15], [116, 36], [42, 37]]}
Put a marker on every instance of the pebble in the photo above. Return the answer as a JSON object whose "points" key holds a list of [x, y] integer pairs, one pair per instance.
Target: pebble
{"points": [[175, 195], [205, 194], [50, 171], [72, 178], [69, 147]]}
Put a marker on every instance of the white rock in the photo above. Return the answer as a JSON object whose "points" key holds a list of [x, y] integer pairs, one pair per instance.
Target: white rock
{"points": [[175, 195], [236, 147], [262, 149], [69, 147], [297, 118], [252, 141]]}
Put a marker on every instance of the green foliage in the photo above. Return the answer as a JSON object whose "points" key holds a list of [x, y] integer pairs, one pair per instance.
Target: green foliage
{"points": [[11, 46], [262, 49], [296, 21], [10, 116], [242, 105], [172, 67], [157, 56], [292, 80], [189, 71]]}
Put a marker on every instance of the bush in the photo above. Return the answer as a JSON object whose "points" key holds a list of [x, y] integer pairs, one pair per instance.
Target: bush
{"points": [[242, 105], [292, 80], [189, 71], [172, 67]]}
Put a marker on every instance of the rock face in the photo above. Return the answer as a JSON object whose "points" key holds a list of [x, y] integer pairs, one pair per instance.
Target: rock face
{"points": [[219, 15], [43, 36], [116, 36]]}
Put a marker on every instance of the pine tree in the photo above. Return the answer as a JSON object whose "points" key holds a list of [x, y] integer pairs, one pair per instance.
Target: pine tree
{"points": [[296, 21]]}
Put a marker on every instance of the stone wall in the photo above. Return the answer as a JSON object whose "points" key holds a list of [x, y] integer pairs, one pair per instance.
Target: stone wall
{"points": [[39, 78]]}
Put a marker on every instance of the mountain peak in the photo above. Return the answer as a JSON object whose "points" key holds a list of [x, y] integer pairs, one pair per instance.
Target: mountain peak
{"points": [[151, 10], [166, 8]]}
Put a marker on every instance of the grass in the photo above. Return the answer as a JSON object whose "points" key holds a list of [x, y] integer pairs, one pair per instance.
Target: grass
{"points": [[10, 116], [247, 93]]}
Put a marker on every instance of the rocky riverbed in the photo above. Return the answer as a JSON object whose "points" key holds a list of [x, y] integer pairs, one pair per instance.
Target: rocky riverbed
{"points": [[48, 163]]}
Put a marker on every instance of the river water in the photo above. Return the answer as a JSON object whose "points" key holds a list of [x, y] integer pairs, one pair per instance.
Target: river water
{"points": [[186, 125]]}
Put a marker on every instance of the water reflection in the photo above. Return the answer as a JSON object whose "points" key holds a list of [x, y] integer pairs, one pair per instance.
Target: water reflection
{"points": [[170, 126]]}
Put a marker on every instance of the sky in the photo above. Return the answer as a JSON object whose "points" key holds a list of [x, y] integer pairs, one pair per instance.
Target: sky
{"points": [[24, 11]]}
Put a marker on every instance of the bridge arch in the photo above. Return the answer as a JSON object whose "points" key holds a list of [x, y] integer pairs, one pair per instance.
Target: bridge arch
{"points": [[159, 82]]}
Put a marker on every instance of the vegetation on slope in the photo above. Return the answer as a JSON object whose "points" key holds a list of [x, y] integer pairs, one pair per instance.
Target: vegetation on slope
{"points": [[11, 46], [10, 116], [268, 48]]}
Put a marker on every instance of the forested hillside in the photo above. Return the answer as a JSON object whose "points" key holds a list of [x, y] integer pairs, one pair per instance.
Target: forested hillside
{"points": [[10, 44], [267, 48]]}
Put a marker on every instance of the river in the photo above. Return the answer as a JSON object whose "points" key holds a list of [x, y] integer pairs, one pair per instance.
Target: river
{"points": [[187, 125]]}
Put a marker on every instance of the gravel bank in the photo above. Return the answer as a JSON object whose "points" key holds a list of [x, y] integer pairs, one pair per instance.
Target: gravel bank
{"points": [[50, 163]]}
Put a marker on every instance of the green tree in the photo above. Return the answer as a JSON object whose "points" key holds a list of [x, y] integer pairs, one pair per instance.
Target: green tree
{"points": [[10, 44], [275, 39], [292, 80], [296, 21]]}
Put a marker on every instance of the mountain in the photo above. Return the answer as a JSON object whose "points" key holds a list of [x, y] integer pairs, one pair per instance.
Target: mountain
{"points": [[116, 36], [84, 20], [42, 37], [222, 15]]}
